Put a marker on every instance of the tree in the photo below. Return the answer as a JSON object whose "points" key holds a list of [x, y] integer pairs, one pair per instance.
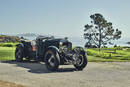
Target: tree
{"points": [[100, 32], [128, 43]]}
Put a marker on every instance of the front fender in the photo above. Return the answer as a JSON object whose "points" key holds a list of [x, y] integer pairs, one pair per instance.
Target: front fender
{"points": [[78, 48], [54, 48], [20, 44]]}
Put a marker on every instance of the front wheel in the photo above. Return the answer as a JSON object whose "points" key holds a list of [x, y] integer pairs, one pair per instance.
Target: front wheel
{"points": [[81, 62], [52, 60], [80, 58]]}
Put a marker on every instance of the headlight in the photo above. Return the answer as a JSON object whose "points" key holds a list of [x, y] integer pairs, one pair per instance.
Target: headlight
{"points": [[60, 46], [61, 43]]}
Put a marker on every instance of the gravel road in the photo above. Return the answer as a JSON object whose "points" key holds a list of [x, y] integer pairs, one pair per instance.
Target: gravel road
{"points": [[102, 74]]}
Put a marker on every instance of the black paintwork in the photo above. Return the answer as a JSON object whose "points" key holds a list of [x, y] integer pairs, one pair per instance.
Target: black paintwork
{"points": [[42, 45]]}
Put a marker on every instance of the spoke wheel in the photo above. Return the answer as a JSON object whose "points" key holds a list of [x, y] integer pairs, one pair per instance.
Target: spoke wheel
{"points": [[80, 59]]}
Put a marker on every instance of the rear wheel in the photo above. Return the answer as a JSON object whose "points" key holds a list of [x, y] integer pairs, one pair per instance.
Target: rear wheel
{"points": [[52, 60], [19, 54]]}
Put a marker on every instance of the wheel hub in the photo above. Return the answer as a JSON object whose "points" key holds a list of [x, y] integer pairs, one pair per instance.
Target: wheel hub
{"points": [[18, 54], [79, 60], [51, 60]]}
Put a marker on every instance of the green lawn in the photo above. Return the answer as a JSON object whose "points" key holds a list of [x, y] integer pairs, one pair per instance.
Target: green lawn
{"points": [[100, 59], [7, 53], [9, 44], [109, 54]]}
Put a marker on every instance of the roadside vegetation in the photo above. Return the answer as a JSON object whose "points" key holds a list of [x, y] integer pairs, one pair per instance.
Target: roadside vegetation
{"points": [[7, 53], [7, 38], [109, 54], [10, 44]]}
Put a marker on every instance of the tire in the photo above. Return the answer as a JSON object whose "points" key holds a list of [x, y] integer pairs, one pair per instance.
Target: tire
{"points": [[82, 58], [52, 60], [19, 54], [83, 63]]}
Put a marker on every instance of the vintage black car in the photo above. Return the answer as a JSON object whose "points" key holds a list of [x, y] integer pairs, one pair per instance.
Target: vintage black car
{"points": [[52, 51]]}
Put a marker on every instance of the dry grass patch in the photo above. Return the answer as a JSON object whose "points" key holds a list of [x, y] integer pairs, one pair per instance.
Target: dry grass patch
{"points": [[9, 84]]}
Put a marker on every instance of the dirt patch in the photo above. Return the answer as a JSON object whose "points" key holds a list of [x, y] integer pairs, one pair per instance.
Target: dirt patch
{"points": [[9, 84]]}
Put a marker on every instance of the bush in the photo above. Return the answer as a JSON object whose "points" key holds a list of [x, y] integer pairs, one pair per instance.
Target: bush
{"points": [[8, 44]]}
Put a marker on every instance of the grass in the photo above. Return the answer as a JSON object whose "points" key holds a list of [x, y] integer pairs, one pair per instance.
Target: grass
{"points": [[10, 44], [109, 54], [9, 84], [7, 53], [100, 59]]}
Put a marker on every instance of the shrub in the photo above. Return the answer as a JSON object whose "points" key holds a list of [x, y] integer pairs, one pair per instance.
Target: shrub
{"points": [[7, 44]]}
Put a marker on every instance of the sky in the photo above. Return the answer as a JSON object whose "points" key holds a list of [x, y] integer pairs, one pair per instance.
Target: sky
{"points": [[61, 17]]}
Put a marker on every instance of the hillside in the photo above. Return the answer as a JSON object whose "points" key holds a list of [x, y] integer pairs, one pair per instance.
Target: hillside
{"points": [[6, 38]]}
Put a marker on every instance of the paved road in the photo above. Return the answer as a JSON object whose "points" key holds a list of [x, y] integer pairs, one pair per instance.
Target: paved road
{"points": [[30, 74]]}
